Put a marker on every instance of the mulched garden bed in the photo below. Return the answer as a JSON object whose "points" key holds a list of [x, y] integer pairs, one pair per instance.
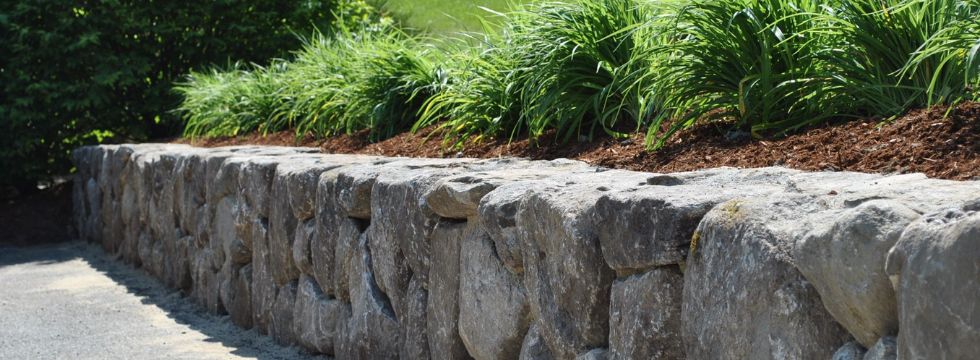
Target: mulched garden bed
{"points": [[926, 141]]}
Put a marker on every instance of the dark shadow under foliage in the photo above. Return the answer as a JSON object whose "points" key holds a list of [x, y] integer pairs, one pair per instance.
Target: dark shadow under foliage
{"points": [[90, 71]]}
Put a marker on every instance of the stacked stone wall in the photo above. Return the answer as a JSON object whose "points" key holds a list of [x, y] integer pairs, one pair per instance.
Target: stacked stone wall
{"points": [[362, 257]]}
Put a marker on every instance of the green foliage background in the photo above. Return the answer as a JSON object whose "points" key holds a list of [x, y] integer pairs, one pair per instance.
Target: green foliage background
{"points": [[76, 72]]}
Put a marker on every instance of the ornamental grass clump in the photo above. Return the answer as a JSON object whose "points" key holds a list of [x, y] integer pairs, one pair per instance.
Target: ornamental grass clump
{"points": [[952, 56], [374, 80], [574, 67], [234, 102], [881, 38], [756, 64], [478, 99]]}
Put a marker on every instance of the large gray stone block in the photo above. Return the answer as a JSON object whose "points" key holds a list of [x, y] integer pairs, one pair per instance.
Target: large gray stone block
{"points": [[645, 315], [567, 280], [743, 297], [294, 183], [533, 347], [372, 331], [415, 335], [935, 269], [844, 259], [316, 318], [458, 196], [650, 224], [442, 312], [494, 313]]}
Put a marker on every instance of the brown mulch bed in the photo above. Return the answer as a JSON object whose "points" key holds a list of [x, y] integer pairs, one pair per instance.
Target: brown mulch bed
{"points": [[36, 217], [925, 141]]}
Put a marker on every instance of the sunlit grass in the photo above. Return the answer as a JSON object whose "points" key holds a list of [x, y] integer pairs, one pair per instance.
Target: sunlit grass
{"points": [[446, 18]]}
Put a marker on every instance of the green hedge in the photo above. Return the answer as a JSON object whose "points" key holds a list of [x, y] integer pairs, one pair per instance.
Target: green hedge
{"points": [[88, 71]]}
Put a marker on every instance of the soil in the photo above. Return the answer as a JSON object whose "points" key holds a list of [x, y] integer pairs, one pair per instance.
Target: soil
{"points": [[939, 142], [36, 217]]}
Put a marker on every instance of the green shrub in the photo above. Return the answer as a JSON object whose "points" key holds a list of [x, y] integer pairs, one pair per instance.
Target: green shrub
{"points": [[757, 63], [87, 71], [229, 103], [479, 97], [352, 81], [951, 54], [880, 38], [372, 78], [574, 67]]}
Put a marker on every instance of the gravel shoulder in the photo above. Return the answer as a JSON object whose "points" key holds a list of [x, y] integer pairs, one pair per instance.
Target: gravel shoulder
{"points": [[71, 301]]}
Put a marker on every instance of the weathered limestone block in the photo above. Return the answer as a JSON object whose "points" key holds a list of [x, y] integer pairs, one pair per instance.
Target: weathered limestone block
{"points": [[111, 223], [743, 298], [534, 347], [237, 296], [594, 354], [651, 223], [207, 287], [372, 331], [345, 254], [302, 253], [400, 226], [443, 303], [567, 280], [353, 189], [645, 315], [850, 351], [935, 270], [82, 158], [885, 348], [253, 228], [315, 247], [845, 261], [316, 318], [415, 338], [128, 207], [157, 175], [498, 214], [335, 236], [458, 196], [494, 314], [281, 317], [298, 174]]}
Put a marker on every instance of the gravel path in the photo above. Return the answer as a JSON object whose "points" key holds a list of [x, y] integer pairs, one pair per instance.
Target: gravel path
{"points": [[70, 301]]}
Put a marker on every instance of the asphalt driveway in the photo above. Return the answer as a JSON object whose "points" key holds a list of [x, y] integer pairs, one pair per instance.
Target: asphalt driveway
{"points": [[71, 301]]}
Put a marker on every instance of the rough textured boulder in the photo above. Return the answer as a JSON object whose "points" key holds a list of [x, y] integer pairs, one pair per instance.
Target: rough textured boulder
{"points": [[372, 331], [885, 348], [567, 280], [415, 335], [850, 351], [494, 314], [316, 319], [498, 213], [288, 185], [458, 196], [743, 298], [533, 347], [443, 302], [650, 224], [594, 354], [645, 315], [845, 261], [936, 274]]}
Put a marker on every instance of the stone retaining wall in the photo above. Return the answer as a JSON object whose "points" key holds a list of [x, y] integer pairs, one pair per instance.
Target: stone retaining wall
{"points": [[367, 257]]}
